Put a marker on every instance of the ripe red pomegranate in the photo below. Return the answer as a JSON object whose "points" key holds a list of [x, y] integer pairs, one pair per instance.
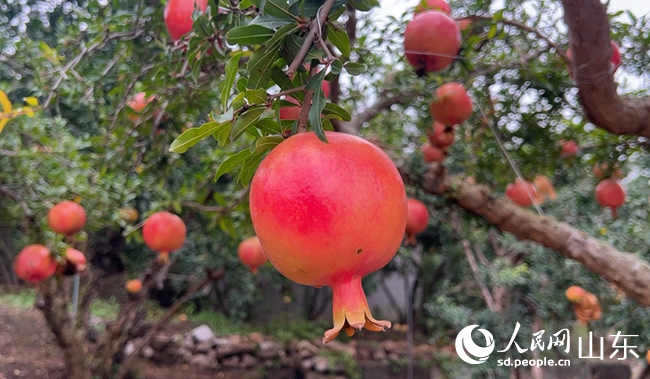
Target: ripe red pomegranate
{"points": [[35, 264], [603, 170], [569, 148], [67, 218], [73, 262], [611, 193], [431, 41], [521, 192], [433, 5], [133, 286], [417, 219], [251, 254], [452, 104], [441, 136], [615, 59], [164, 233], [326, 86], [328, 214], [432, 154], [290, 113], [178, 16]]}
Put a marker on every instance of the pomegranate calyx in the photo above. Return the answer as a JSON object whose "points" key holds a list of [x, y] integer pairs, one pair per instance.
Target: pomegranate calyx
{"points": [[351, 311]]}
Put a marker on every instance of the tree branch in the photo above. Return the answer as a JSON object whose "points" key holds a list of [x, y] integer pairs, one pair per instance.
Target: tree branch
{"points": [[384, 102]]}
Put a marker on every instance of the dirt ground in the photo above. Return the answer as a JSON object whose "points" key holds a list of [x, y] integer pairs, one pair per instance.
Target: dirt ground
{"points": [[27, 350]]}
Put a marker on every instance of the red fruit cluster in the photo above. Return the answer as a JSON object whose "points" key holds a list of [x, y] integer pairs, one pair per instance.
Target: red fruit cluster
{"points": [[164, 233], [610, 193], [417, 219], [521, 192]]}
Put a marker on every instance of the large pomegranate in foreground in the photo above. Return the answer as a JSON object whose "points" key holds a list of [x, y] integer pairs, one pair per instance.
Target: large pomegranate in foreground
{"points": [[328, 214], [417, 219], [34, 264], [521, 192], [67, 218], [178, 16], [452, 104], [431, 41], [435, 5], [251, 254], [611, 193], [164, 233]]}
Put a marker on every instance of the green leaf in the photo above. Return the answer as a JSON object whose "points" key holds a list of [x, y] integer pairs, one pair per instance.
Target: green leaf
{"points": [[335, 109], [309, 8], [192, 136], [281, 79], [282, 33], [339, 38], [363, 5], [270, 21], [355, 69], [249, 167], [262, 59], [238, 101], [275, 8], [492, 32], [249, 35], [337, 67], [318, 104], [246, 120], [267, 143], [268, 126], [256, 96], [221, 135], [229, 164], [231, 73]]}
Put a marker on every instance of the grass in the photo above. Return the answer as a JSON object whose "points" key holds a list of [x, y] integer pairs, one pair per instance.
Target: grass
{"points": [[23, 299]]}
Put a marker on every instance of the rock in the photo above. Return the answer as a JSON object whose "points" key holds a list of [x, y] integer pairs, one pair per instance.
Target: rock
{"points": [[424, 351], [202, 333], [185, 353], [161, 342], [268, 363], [268, 349], [363, 354], [248, 361], [379, 355], [321, 364], [148, 351], [341, 348], [203, 347], [306, 349], [202, 361], [256, 337], [176, 339], [307, 364], [393, 357], [188, 342], [315, 375], [231, 362], [222, 342], [129, 348], [94, 321], [235, 349], [394, 347]]}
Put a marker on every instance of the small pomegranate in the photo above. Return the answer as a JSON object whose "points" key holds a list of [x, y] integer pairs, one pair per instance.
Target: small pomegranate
{"points": [[569, 148], [139, 101], [129, 214], [328, 214], [251, 254], [604, 170], [615, 58], [67, 218], [133, 286], [574, 294], [544, 189], [34, 264], [464, 24], [441, 136], [433, 5], [452, 104], [178, 16], [417, 219], [611, 193], [326, 86], [431, 41], [432, 154], [164, 233], [73, 262], [290, 113], [521, 192]]}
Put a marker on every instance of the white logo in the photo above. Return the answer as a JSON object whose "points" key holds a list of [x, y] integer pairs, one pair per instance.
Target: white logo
{"points": [[464, 343]]}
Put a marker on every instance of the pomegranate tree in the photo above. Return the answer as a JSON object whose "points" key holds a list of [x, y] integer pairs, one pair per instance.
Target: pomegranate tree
{"points": [[431, 41], [251, 254], [432, 154], [441, 136], [521, 192], [610, 193], [178, 16], [452, 105], [615, 58], [164, 233], [67, 218], [417, 219], [35, 264], [433, 5], [328, 214]]}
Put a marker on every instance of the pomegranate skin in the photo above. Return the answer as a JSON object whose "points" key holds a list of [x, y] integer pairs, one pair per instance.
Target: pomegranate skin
{"points": [[436, 5], [417, 219], [569, 148], [67, 218], [178, 16], [432, 154], [610, 193], [521, 193], [431, 41], [452, 105], [329, 214], [35, 264], [251, 254], [73, 262], [574, 294], [441, 136], [164, 232]]}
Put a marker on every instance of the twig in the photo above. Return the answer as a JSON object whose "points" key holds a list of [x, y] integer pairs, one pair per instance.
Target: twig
{"points": [[287, 92], [14, 195], [306, 105]]}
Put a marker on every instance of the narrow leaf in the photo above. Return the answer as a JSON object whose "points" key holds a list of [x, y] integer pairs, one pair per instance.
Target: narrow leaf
{"points": [[245, 121], [192, 136], [249, 35], [339, 38], [231, 73], [230, 163]]}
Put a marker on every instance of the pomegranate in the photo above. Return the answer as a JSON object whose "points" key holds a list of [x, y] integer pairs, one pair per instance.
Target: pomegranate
{"points": [[521, 192], [615, 58], [251, 254], [441, 136], [73, 262], [417, 219], [326, 86], [611, 193], [164, 232], [574, 294], [67, 218], [544, 189], [35, 264], [432, 154], [452, 104], [603, 170], [431, 41], [464, 24], [129, 214], [290, 113], [133, 286], [328, 214], [435, 5], [178, 16], [569, 148]]}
